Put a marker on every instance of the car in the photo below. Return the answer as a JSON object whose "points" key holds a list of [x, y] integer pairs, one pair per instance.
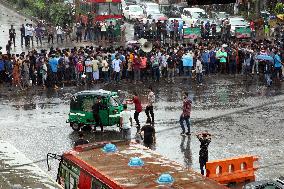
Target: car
{"points": [[237, 22], [266, 184], [194, 14], [81, 115], [219, 16], [157, 17], [176, 10], [133, 12], [150, 8]]}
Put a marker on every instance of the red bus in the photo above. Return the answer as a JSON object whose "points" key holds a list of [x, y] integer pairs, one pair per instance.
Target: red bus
{"points": [[120, 165], [100, 10]]}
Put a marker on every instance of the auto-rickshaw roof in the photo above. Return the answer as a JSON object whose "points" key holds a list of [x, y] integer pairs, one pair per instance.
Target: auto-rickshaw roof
{"points": [[114, 167], [100, 92]]}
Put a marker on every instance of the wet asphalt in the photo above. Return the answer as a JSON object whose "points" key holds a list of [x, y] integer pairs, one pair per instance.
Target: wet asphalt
{"points": [[244, 116]]}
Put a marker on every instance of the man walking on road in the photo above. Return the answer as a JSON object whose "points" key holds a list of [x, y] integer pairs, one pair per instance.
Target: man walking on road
{"points": [[138, 109], [185, 116], [205, 139], [126, 123], [149, 107]]}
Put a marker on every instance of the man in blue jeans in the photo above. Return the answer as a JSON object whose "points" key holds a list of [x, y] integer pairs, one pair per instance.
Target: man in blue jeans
{"points": [[185, 116]]}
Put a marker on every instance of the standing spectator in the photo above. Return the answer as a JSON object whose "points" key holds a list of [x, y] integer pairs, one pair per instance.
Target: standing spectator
{"points": [[43, 71], [105, 69], [38, 34], [50, 35], [149, 106], [79, 32], [59, 33], [222, 56], [122, 30], [185, 116], [103, 31], [205, 139], [171, 69], [205, 59], [96, 72], [53, 63], [116, 63], [22, 30], [12, 35], [136, 68], [89, 70], [278, 66], [110, 32], [199, 70]]}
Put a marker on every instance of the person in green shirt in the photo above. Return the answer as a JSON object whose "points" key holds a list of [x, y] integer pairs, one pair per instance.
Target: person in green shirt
{"points": [[222, 56]]}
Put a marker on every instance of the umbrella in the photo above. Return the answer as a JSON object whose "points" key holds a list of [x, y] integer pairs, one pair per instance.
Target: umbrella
{"points": [[265, 57], [162, 18]]}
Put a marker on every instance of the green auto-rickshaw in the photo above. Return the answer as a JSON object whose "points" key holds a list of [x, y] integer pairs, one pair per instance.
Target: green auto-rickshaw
{"points": [[81, 109]]}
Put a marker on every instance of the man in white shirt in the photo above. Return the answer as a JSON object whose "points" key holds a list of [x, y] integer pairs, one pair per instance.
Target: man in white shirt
{"points": [[126, 123], [59, 33], [198, 70], [116, 63]]}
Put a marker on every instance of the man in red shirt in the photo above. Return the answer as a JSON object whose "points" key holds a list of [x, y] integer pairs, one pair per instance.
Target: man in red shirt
{"points": [[185, 116], [138, 109]]}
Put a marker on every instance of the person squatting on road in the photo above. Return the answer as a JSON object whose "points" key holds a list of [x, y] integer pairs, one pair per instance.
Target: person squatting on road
{"points": [[81, 140], [126, 123], [149, 107], [149, 137], [185, 116], [205, 139]]}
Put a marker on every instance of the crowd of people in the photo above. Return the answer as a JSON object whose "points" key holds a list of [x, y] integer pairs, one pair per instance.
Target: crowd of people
{"points": [[90, 65]]}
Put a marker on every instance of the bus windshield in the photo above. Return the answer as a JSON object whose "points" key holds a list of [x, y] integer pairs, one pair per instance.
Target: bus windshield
{"points": [[107, 8]]}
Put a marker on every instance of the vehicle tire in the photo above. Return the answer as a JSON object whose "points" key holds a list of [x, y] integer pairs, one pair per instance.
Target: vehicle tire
{"points": [[87, 128], [75, 126]]}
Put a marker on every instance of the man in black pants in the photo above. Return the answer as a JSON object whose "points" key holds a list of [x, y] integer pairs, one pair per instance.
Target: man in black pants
{"points": [[96, 109], [149, 107], [205, 139], [12, 35]]}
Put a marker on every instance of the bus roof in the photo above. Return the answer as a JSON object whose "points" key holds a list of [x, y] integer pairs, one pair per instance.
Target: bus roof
{"points": [[113, 168]]}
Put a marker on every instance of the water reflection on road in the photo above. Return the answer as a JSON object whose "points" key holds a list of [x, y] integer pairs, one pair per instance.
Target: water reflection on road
{"points": [[244, 119]]}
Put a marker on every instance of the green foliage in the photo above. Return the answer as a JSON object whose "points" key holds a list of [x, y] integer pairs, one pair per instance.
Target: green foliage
{"points": [[53, 11], [279, 8]]}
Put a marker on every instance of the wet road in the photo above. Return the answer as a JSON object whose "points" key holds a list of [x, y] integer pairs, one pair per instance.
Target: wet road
{"points": [[243, 118]]}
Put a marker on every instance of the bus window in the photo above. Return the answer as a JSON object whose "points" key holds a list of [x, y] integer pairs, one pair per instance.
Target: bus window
{"points": [[96, 184], [73, 182], [115, 8], [102, 8]]}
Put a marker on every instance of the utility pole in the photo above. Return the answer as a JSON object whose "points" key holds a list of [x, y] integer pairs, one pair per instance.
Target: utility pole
{"points": [[257, 8]]}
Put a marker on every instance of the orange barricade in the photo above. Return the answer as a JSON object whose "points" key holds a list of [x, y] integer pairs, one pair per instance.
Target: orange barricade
{"points": [[232, 170]]}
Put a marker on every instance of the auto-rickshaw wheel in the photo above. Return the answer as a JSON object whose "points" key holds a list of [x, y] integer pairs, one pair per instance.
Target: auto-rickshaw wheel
{"points": [[75, 126]]}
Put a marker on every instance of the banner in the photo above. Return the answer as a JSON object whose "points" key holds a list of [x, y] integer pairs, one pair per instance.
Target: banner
{"points": [[242, 32], [191, 33]]}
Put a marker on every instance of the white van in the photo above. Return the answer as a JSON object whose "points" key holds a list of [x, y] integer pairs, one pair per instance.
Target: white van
{"points": [[150, 8], [194, 14]]}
